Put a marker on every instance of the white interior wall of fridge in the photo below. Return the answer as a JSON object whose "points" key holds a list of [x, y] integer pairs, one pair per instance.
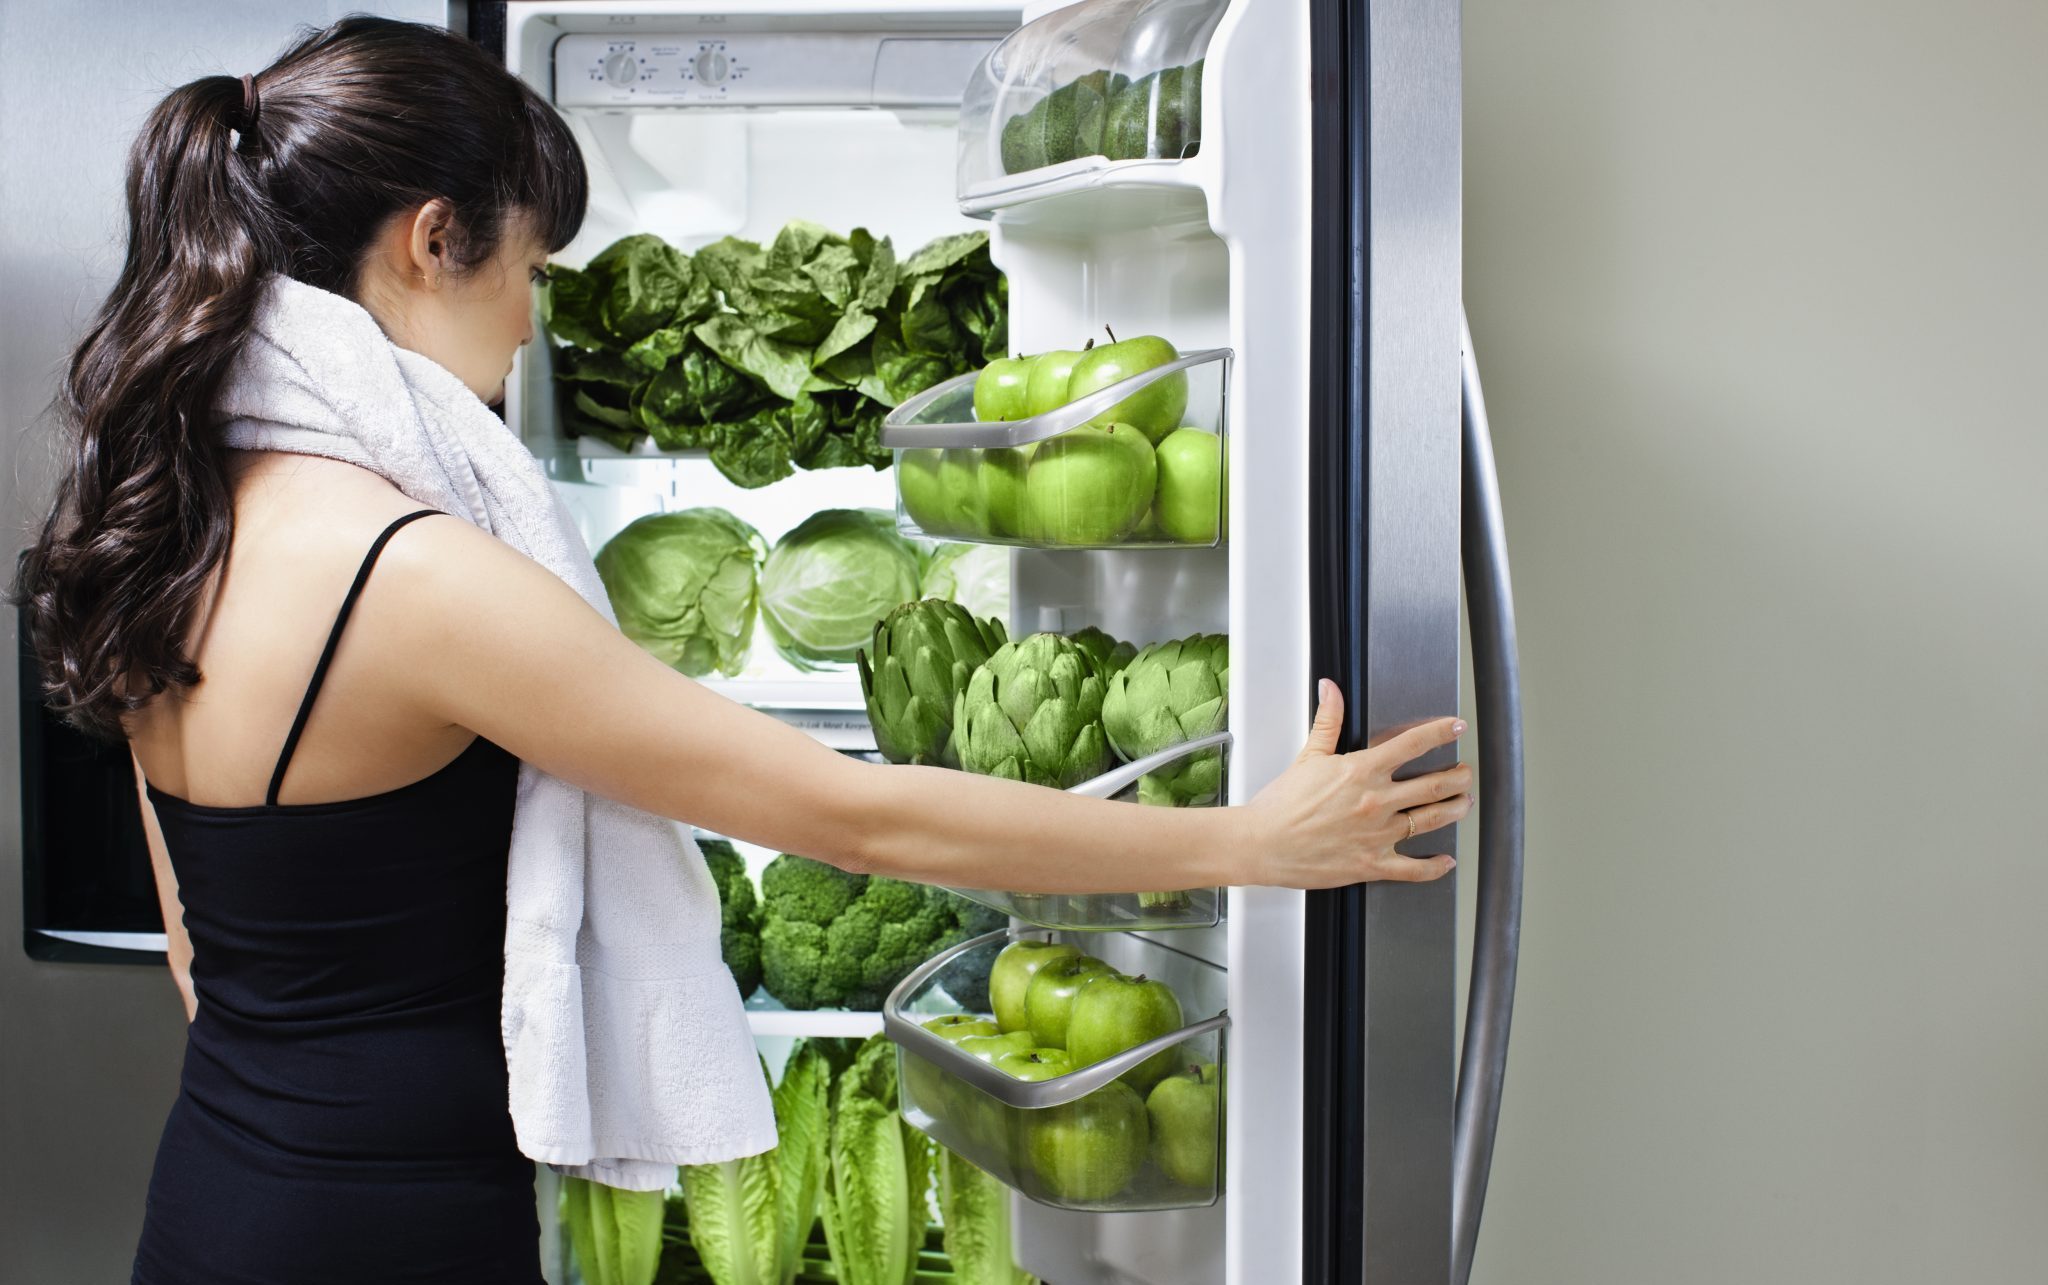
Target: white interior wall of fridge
{"points": [[693, 175]]}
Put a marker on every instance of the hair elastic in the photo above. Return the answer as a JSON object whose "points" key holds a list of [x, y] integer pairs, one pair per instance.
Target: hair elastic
{"points": [[251, 104]]}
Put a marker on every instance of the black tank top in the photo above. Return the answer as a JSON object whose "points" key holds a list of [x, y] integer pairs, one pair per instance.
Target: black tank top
{"points": [[342, 1111]]}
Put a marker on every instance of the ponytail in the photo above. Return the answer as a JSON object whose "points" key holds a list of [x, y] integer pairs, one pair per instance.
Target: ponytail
{"points": [[142, 518], [233, 179]]}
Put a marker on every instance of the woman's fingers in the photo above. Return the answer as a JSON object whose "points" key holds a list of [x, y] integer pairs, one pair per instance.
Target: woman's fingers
{"points": [[1396, 868], [1322, 735], [1435, 816], [1387, 756], [1432, 787]]}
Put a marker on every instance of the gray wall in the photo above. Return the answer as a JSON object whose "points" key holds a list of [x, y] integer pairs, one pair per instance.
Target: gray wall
{"points": [[1758, 288], [88, 1053]]}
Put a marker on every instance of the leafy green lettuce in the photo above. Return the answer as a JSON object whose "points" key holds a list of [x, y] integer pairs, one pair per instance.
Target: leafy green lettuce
{"points": [[771, 358], [615, 1234], [975, 1209], [750, 1218], [875, 1201]]}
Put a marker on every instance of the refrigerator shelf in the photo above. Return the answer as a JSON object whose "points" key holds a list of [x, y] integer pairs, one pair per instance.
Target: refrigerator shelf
{"points": [[1096, 912], [1037, 482], [1107, 1137], [1087, 87]]}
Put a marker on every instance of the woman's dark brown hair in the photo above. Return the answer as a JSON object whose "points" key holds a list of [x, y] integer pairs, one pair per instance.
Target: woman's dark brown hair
{"points": [[353, 125]]}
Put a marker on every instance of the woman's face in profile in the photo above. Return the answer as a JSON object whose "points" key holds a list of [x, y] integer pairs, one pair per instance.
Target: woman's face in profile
{"points": [[489, 313], [470, 322]]}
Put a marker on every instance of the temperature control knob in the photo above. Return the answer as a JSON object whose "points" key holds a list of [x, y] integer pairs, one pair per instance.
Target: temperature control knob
{"points": [[713, 67], [621, 69]]}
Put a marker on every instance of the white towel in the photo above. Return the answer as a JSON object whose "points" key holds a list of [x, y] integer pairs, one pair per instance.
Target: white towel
{"points": [[628, 1047]]}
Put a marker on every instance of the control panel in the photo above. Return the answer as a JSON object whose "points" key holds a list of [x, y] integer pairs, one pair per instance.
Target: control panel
{"points": [[766, 69]]}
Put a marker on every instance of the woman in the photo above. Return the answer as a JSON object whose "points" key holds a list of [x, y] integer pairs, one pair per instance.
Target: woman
{"points": [[313, 678]]}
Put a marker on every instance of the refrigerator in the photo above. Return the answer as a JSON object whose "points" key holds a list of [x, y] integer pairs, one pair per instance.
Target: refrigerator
{"points": [[1300, 235], [1295, 235]]}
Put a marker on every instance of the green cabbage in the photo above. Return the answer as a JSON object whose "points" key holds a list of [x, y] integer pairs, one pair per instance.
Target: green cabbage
{"points": [[977, 576], [829, 580], [685, 586]]}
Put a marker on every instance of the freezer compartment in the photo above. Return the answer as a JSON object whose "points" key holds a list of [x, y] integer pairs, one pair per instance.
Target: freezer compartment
{"points": [[1089, 87], [1155, 777], [1134, 464], [1141, 1129]]}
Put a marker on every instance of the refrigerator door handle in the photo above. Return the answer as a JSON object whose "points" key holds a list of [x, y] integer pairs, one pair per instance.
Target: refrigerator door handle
{"points": [[1497, 696]]}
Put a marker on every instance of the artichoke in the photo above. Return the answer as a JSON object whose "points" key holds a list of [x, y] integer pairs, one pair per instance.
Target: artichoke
{"points": [[1108, 654], [913, 671], [1033, 712], [1172, 692]]}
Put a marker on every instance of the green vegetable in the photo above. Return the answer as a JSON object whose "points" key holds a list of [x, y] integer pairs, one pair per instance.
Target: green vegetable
{"points": [[615, 1234], [975, 1210], [1170, 693], [1159, 115], [774, 358], [874, 1206], [750, 1219], [1033, 712], [830, 939], [1108, 654], [912, 671], [685, 586], [739, 913], [977, 576], [829, 581], [1065, 124]]}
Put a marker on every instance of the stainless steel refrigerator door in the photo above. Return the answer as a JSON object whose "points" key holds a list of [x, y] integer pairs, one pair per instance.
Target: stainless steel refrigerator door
{"points": [[1384, 425], [89, 1058]]}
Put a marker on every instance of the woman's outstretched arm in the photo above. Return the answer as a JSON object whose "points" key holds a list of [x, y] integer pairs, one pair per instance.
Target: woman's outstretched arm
{"points": [[480, 636]]}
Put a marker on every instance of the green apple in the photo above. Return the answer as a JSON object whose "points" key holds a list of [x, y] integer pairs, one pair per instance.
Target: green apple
{"points": [[1049, 998], [1088, 1150], [1148, 530], [999, 389], [1089, 485], [962, 508], [1046, 388], [1031, 1066], [989, 1048], [1002, 487], [1183, 1109], [917, 480], [1190, 493], [954, 1027], [1112, 1013], [1012, 973], [1155, 409]]}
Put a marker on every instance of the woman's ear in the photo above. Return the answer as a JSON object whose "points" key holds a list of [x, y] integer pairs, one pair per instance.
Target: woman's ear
{"points": [[429, 242]]}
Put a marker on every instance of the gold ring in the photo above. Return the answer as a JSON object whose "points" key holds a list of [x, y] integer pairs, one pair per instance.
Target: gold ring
{"points": [[1411, 823]]}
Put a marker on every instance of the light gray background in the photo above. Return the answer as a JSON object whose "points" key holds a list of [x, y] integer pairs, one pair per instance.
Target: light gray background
{"points": [[1757, 287], [88, 1053]]}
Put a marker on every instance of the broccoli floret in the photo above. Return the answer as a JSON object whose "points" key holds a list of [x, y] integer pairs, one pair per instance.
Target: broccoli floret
{"points": [[808, 891], [792, 959], [739, 914], [833, 939]]}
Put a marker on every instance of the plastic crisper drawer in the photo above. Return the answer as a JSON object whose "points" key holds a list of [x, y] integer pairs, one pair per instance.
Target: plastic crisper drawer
{"points": [[1124, 911], [1091, 85], [1140, 463], [1140, 1129]]}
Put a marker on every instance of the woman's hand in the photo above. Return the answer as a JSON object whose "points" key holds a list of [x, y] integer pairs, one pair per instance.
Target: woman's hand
{"points": [[1333, 819]]}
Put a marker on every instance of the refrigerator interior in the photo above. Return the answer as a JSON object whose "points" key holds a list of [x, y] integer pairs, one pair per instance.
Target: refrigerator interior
{"points": [[1149, 248]]}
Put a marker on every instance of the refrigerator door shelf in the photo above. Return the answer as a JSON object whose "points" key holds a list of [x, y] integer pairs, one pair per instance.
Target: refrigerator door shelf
{"points": [[1118, 911], [1112, 1136], [1087, 86], [1026, 482]]}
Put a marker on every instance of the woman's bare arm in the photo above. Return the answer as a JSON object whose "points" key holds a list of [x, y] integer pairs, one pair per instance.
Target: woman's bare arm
{"points": [[179, 946], [477, 635]]}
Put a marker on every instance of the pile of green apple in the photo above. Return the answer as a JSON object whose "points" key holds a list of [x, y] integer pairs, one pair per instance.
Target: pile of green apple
{"points": [[1134, 473], [1058, 1010]]}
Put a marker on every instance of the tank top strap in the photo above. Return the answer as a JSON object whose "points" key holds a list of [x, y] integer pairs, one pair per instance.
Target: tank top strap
{"points": [[348, 604]]}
